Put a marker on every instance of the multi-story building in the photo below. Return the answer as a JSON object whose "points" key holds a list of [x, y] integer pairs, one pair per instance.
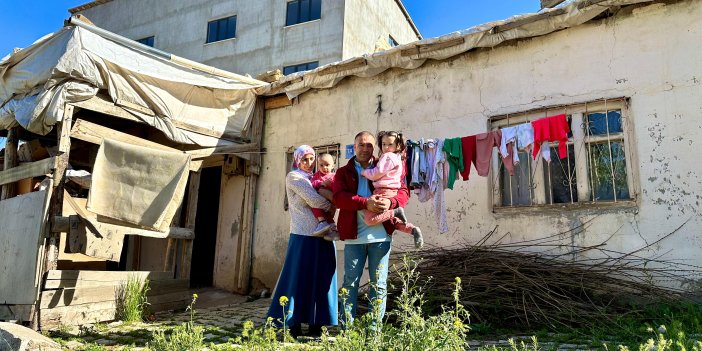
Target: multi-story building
{"points": [[251, 37]]}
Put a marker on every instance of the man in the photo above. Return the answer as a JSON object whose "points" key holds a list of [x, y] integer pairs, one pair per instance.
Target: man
{"points": [[353, 194]]}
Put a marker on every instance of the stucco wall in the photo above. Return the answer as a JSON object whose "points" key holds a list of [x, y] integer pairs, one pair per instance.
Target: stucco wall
{"points": [[262, 41], [229, 231], [647, 54], [368, 21]]}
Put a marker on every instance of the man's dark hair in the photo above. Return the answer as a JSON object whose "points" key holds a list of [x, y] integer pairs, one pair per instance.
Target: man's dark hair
{"points": [[365, 132]]}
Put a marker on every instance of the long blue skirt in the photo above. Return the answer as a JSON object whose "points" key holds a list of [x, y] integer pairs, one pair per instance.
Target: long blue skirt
{"points": [[308, 280]]}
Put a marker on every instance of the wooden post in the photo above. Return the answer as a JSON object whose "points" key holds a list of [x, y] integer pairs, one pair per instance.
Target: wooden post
{"points": [[190, 214], [248, 226], [11, 144]]}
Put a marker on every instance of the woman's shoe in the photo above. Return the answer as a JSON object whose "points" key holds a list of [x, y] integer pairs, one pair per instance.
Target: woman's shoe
{"points": [[296, 331], [314, 331], [322, 228]]}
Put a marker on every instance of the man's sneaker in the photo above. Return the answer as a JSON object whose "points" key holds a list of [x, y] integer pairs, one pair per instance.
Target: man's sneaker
{"points": [[322, 228], [418, 239], [400, 213], [332, 235]]}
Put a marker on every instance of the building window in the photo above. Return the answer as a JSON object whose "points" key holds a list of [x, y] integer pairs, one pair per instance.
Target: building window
{"points": [[148, 41], [301, 67], [595, 169], [221, 29], [300, 11], [333, 149], [392, 42]]}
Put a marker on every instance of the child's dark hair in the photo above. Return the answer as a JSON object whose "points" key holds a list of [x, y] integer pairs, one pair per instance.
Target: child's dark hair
{"points": [[399, 142]]}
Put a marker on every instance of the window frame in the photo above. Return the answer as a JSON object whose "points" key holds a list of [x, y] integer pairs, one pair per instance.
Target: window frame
{"points": [[299, 20], [392, 42], [218, 21], [579, 142], [306, 64]]}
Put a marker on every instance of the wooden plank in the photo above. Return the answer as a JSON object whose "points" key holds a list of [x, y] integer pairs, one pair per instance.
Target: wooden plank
{"points": [[21, 233], [9, 188], [175, 284], [77, 315], [190, 215], [358, 62], [224, 149], [106, 276], [524, 21], [424, 48], [101, 105], [27, 170], [277, 101], [95, 133], [160, 291]]}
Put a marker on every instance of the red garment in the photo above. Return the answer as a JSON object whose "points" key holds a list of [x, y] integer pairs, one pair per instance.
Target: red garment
{"points": [[483, 149], [349, 203], [469, 155], [318, 178], [554, 128]]}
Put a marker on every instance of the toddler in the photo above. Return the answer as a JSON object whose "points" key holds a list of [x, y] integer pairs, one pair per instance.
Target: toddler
{"points": [[322, 179], [386, 177]]}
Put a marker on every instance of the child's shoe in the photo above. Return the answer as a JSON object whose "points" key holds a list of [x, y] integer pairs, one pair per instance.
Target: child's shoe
{"points": [[418, 239], [400, 214], [322, 228], [332, 235]]}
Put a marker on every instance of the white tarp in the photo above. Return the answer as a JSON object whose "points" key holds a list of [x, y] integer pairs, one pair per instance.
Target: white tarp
{"points": [[73, 64], [409, 56]]}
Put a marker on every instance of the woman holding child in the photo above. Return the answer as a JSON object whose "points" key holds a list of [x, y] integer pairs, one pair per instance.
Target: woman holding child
{"points": [[308, 278]]}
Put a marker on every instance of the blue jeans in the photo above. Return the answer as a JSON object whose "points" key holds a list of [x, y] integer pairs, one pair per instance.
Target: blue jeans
{"points": [[355, 255]]}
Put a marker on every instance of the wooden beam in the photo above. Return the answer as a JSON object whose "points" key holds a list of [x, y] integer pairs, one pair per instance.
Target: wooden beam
{"points": [[101, 105], [277, 101], [9, 188], [524, 21], [94, 133], [424, 48], [28, 170], [359, 62], [224, 149], [190, 216], [106, 276]]}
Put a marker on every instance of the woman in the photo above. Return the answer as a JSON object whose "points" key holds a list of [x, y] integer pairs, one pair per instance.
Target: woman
{"points": [[308, 279]]}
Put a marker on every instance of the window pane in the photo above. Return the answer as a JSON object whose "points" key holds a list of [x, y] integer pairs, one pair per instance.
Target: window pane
{"points": [[608, 174], [304, 11], [316, 9], [231, 27], [293, 13], [222, 29], [312, 65], [148, 41], [597, 123], [212, 31], [559, 176], [516, 190], [288, 70]]}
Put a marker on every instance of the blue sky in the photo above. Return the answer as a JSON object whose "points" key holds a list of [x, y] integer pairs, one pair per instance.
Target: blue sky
{"points": [[23, 22]]}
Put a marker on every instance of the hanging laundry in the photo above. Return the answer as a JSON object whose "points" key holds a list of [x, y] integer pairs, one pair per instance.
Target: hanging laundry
{"points": [[428, 154], [515, 138], [417, 179], [483, 149], [468, 150], [436, 186], [454, 156], [553, 128], [409, 153]]}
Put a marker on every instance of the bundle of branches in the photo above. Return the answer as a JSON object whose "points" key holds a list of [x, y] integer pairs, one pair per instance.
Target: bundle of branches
{"points": [[545, 283]]}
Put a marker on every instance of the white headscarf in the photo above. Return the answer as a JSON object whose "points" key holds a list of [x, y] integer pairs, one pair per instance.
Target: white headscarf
{"points": [[299, 153]]}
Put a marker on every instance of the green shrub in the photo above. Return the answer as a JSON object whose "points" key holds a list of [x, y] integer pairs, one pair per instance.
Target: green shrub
{"points": [[186, 336], [131, 299]]}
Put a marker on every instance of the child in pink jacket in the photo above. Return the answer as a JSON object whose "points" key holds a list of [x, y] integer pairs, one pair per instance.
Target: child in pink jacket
{"points": [[387, 179], [322, 179]]}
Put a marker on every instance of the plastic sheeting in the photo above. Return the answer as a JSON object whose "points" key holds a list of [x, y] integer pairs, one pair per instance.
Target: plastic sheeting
{"points": [[73, 64], [413, 55]]}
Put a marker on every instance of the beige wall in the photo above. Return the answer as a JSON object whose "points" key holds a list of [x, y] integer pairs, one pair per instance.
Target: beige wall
{"points": [[229, 232], [370, 21], [647, 55]]}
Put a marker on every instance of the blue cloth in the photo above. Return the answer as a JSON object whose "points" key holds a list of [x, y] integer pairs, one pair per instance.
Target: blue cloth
{"points": [[308, 280], [366, 234], [378, 255]]}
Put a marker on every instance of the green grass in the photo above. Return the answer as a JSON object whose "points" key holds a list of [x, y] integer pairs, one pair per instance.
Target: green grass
{"points": [[131, 300]]}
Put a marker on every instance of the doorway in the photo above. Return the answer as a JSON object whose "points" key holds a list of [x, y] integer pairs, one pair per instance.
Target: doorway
{"points": [[206, 220]]}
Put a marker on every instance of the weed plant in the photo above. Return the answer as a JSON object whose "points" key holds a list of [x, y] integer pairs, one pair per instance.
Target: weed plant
{"points": [[131, 299], [184, 337]]}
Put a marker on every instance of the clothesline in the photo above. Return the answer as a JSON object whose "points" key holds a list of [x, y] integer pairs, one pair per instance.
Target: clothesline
{"points": [[435, 164]]}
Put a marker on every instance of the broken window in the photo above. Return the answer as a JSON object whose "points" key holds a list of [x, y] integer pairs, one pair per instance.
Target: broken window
{"points": [[595, 168]]}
